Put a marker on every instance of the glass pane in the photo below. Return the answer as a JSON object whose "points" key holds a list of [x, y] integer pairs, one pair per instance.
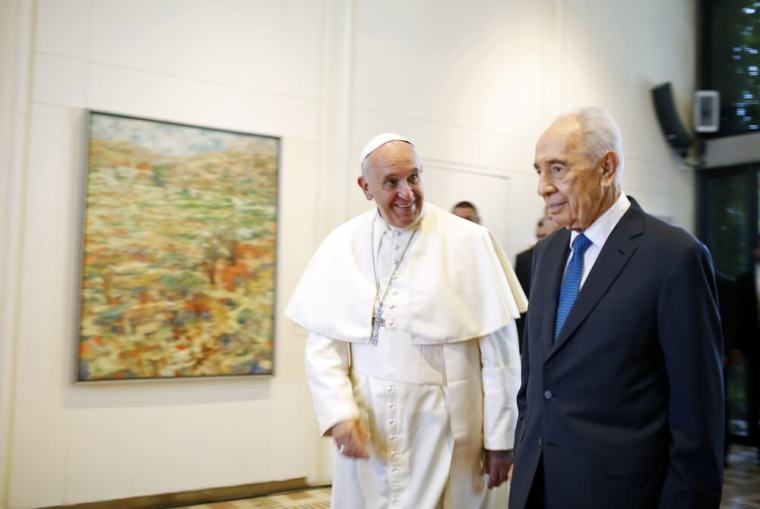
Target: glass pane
{"points": [[727, 221], [729, 231], [737, 394], [731, 62]]}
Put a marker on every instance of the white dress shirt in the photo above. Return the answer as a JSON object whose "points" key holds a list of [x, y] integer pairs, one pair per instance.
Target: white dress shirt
{"points": [[598, 233]]}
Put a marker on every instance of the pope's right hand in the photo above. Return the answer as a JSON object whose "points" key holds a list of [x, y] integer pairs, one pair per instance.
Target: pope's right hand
{"points": [[351, 439]]}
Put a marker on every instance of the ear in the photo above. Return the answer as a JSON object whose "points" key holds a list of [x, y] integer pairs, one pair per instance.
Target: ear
{"points": [[610, 162], [365, 188]]}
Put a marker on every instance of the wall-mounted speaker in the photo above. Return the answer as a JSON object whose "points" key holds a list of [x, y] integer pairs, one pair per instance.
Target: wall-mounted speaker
{"points": [[667, 116], [706, 111]]}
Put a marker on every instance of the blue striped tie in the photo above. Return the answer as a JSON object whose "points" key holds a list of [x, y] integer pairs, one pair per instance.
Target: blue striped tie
{"points": [[571, 282]]}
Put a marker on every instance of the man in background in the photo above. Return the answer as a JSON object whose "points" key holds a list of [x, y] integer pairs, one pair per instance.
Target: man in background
{"points": [[524, 261], [466, 210], [621, 403], [412, 355]]}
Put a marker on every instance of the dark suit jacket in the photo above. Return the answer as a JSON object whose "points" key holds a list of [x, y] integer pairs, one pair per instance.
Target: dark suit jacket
{"points": [[626, 408], [523, 264]]}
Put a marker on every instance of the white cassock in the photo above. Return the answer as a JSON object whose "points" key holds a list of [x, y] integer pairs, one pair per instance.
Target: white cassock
{"points": [[440, 384]]}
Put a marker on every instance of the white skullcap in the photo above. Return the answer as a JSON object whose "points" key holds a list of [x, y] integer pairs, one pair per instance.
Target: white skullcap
{"points": [[379, 140]]}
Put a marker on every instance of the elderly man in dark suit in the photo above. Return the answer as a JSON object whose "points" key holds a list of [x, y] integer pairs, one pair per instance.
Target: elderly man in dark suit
{"points": [[621, 403]]}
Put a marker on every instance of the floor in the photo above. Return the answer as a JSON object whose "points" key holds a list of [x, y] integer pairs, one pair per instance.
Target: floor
{"points": [[741, 482], [741, 490], [309, 499]]}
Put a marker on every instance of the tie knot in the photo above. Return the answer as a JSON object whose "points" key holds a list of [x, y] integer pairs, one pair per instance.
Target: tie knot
{"points": [[580, 244]]}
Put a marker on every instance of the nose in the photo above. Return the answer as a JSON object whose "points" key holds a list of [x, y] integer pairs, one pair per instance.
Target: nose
{"points": [[545, 185], [405, 191]]}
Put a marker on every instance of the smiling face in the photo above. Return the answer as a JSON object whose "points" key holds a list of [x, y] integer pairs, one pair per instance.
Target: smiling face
{"points": [[392, 177], [576, 188]]}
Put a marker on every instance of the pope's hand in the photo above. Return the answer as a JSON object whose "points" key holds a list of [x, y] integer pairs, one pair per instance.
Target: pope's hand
{"points": [[351, 439], [498, 466]]}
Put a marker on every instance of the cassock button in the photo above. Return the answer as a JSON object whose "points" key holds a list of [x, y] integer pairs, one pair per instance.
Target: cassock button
{"points": [[547, 394]]}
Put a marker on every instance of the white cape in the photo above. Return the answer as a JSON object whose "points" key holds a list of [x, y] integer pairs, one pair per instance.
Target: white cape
{"points": [[466, 287]]}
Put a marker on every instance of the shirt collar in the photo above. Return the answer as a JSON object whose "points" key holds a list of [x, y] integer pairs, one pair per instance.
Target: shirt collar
{"points": [[600, 229]]}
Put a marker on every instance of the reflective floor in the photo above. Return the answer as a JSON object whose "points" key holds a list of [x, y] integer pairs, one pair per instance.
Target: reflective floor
{"points": [[741, 481], [309, 499], [741, 490]]}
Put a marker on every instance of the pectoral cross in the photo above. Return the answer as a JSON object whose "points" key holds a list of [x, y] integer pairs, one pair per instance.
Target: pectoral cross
{"points": [[377, 322]]}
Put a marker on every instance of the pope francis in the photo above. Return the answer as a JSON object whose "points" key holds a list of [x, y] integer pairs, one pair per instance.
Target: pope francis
{"points": [[412, 355]]}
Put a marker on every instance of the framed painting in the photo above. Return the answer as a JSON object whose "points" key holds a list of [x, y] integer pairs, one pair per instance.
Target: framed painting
{"points": [[178, 253]]}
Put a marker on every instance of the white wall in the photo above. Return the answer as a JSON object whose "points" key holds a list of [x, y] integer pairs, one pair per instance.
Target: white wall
{"points": [[473, 83], [476, 83], [243, 65]]}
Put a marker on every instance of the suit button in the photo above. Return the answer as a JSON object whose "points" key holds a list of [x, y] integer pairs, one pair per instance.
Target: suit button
{"points": [[540, 442], [547, 394]]}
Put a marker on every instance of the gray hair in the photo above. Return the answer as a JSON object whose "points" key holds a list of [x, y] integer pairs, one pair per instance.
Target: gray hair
{"points": [[600, 134]]}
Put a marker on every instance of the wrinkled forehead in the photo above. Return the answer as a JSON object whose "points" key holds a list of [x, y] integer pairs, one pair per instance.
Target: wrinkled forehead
{"points": [[561, 140]]}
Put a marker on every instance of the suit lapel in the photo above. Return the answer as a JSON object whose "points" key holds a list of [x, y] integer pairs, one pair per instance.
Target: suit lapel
{"points": [[550, 269], [616, 252]]}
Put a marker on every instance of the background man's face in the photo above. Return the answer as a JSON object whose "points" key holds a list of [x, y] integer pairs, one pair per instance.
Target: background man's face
{"points": [[466, 213], [393, 179], [546, 226]]}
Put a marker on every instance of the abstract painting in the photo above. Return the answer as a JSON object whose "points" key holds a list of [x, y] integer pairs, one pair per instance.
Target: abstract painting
{"points": [[179, 251]]}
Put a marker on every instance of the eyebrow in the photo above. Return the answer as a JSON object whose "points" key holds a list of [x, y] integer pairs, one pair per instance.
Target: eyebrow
{"points": [[393, 176], [551, 162]]}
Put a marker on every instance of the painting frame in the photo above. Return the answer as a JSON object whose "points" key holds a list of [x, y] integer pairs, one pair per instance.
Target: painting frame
{"points": [[178, 243]]}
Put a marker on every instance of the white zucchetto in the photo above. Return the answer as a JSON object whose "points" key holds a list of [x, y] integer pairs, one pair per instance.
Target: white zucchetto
{"points": [[379, 140]]}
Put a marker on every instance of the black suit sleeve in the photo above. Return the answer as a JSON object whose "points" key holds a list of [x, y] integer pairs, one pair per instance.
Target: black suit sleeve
{"points": [[522, 401], [690, 338], [523, 267]]}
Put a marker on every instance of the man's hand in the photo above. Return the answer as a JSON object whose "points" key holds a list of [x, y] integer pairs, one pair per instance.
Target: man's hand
{"points": [[498, 466], [351, 439]]}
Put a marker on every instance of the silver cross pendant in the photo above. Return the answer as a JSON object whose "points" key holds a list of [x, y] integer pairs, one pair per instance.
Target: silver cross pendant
{"points": [[377, 322]]}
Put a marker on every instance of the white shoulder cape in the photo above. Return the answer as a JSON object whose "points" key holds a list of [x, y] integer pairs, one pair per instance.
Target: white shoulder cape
{"points": [[463, 286]]}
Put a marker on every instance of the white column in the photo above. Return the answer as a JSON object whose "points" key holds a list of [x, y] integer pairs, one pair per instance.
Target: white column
{"points": [[336, 173], [16, 27]]}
